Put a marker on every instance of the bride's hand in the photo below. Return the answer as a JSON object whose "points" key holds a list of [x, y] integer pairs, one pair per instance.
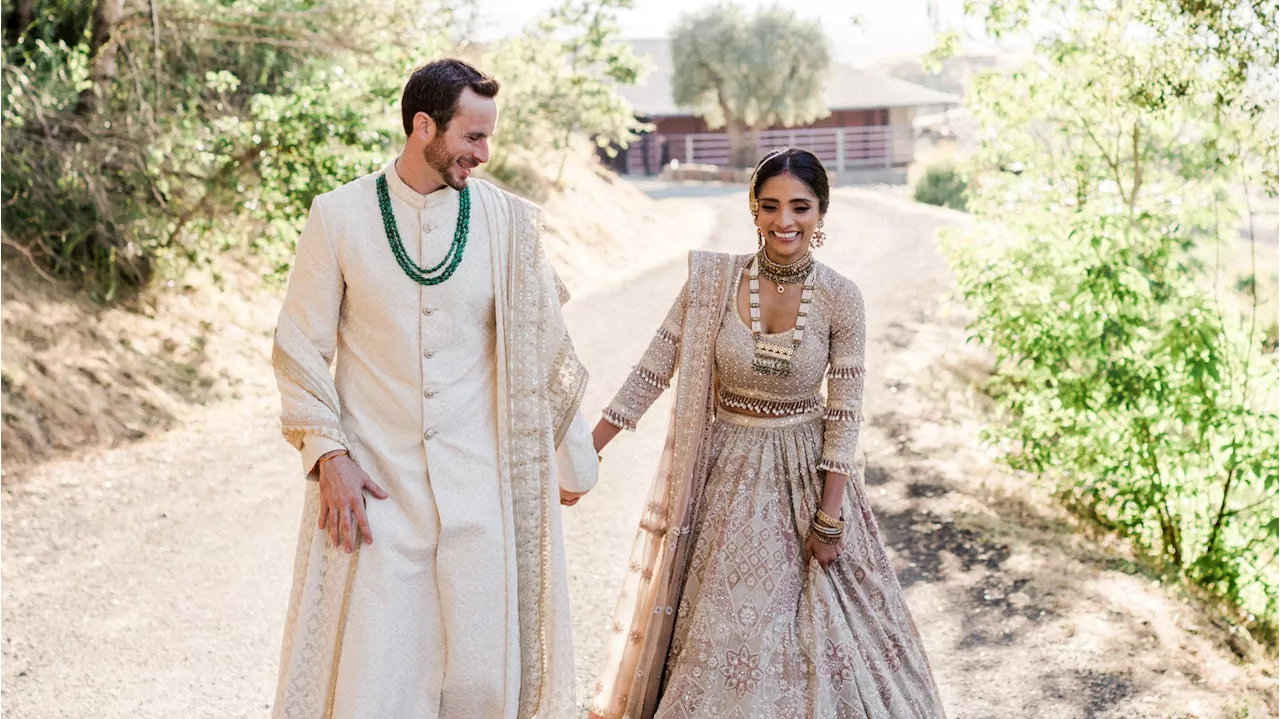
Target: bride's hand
{"points": [[604, 433], [815, 548]]}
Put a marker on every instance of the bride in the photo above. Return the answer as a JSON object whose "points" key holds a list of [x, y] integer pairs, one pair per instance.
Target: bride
{"points": [[759, 586]]}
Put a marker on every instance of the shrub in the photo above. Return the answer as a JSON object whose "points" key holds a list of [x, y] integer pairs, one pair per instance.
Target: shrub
{"points": [[1121, 374], [942, 186]]}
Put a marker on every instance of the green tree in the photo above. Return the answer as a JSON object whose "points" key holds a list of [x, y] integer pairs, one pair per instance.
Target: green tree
{"points": [[143, 133], [560, 77], [1111, 177], [747, 74]]}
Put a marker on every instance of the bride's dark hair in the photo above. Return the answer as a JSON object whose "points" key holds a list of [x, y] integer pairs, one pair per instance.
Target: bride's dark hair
{"points": [[803, 165]]}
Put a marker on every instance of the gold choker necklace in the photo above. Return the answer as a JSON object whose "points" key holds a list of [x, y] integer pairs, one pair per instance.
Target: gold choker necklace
{"points": [[780, 274]]}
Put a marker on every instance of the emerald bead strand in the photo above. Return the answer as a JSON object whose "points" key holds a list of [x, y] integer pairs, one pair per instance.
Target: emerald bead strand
{"points": [[446, 267]]}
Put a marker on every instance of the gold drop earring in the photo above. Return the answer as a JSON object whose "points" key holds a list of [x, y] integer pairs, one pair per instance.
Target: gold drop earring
{"points": [[759, 237], [818, 235]]}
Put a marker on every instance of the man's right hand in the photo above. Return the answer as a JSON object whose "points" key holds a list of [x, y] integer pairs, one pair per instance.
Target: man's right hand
{"points": [[342, 486]]}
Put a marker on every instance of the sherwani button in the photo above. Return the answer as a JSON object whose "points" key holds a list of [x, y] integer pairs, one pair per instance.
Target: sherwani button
{"points": [[428, 354], [428, 393], [428, 310], [429, 434]]}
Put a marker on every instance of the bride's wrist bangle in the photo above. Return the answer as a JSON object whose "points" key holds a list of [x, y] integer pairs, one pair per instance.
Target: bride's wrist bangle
{"points": [[826, 538], [828, 520]]}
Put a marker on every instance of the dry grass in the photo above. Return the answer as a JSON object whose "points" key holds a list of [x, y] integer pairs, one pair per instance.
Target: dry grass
{"points": [[77, 375]]}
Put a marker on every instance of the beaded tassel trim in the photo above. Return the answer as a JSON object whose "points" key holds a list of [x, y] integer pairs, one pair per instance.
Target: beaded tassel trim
{"points": [[668, 336], [828, 465], [617, 420], [775, 408], [846, 372], [843, 415], [651, 378]]}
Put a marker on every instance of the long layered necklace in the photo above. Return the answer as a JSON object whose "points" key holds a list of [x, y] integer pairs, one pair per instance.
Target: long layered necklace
{"points": [[781, 274], [446, 267], [775, 359]]}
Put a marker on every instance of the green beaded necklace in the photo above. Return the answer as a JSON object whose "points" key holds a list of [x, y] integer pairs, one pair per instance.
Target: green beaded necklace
{"points": [[451, 259]]}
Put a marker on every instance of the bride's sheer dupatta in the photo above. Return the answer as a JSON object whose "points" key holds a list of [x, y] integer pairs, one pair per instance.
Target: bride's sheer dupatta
{"points": [[640, 635]]}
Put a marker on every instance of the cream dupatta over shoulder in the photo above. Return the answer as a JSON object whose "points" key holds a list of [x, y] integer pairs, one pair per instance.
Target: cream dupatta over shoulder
{"points": [[540, 385], [644, 620]]}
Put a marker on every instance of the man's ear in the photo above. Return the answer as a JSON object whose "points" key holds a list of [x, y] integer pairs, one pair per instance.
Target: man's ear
{"points": [[424, 127]]}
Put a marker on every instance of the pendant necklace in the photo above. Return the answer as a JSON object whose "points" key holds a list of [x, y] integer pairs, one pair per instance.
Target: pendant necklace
{"points": [[445, 269], [775, 359]]}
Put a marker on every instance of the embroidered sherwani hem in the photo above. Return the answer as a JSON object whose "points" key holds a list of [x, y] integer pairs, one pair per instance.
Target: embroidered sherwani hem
{"points": [[460, 400]]}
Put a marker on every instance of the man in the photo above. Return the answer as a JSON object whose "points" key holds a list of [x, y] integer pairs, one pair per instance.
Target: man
{"points": [[430, 575]]}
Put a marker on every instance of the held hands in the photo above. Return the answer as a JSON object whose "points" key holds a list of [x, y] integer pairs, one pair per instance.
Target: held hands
{"points": [[600, 436], [568, 498], [342, 487]]}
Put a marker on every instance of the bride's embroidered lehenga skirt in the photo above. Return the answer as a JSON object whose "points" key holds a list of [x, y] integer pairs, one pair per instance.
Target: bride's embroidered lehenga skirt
{"points": [[760, 633]]}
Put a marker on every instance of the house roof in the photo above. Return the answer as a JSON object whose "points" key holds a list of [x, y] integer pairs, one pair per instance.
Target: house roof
{"points": [[848, 88]]}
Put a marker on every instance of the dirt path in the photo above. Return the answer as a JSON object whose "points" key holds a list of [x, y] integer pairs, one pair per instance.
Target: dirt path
{"points": [[150, 580]]}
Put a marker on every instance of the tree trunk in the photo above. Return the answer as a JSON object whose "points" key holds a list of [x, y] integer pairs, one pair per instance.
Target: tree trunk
{"points": [[742, 145], [102, 55], [24, 13], [753, 142]]}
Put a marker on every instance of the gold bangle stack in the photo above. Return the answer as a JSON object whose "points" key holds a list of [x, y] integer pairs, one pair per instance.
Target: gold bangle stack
{"points": [[826, 528]]}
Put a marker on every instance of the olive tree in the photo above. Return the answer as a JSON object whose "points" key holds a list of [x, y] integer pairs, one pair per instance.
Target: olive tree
{"points": [[748, 73]]}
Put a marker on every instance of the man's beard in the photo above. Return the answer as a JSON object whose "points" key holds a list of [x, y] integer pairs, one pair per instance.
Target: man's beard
{"points": [[437, 157]]}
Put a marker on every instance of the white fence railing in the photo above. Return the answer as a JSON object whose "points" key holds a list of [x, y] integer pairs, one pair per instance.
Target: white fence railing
{"points": [[839, 148]]}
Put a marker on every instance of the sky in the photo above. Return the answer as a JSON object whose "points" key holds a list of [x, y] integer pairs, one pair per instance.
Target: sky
{"points": [[889, 29]]}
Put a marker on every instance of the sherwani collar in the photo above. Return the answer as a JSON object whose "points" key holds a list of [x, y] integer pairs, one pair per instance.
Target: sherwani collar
{"points": [[443, 197]]}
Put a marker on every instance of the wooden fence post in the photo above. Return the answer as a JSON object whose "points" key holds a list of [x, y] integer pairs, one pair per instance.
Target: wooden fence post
{"points": [[839, 149]]}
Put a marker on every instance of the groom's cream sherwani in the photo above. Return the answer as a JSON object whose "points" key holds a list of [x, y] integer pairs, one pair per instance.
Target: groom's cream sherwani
{"points": [[459, 399]]}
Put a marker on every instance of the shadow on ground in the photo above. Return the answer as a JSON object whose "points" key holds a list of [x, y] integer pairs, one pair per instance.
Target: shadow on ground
{"points": [[1001, 608], [1095, 693]]}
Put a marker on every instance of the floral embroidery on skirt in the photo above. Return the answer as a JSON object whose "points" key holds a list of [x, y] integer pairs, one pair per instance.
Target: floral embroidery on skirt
{"points": [[760, 634]]}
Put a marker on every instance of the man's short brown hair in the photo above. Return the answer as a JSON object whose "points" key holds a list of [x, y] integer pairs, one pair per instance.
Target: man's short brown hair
{"points": [[435, 88]]}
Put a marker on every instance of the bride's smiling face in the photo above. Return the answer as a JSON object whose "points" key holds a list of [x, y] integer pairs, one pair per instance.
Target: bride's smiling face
{"points": [[787, 217]]}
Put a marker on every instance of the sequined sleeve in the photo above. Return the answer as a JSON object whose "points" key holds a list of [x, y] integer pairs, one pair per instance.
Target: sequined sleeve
{"points": [[652, 375], [845, 375]]}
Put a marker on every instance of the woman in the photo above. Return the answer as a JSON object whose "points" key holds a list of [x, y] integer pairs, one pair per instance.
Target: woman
{"points": [[748, 595]]}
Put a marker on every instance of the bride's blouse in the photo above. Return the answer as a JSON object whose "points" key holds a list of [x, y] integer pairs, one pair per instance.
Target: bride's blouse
{"points": [[833, 347]]}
